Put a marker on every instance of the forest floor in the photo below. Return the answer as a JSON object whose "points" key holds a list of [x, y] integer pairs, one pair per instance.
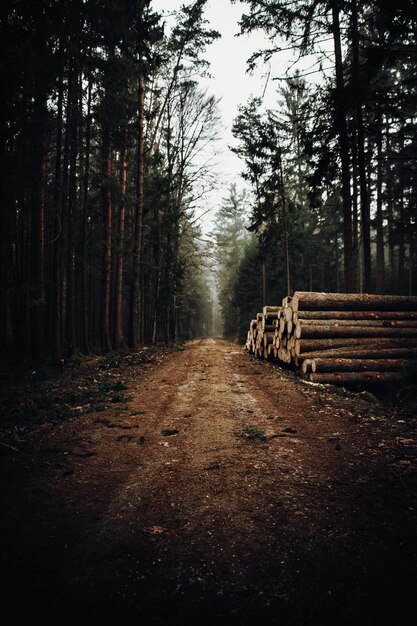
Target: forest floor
{"points": [[203, 486]]}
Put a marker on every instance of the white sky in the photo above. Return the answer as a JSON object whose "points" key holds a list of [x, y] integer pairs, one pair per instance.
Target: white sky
{"points": [[230, 82]]}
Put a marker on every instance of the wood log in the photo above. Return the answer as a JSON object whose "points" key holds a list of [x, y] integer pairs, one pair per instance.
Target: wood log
{"points": [[315, 332], [307, 366], [268, 338], [358, 352], [269, 328], [267, 310], [357, 365], [354, 315], [288, 313], [313, 300], [369, 322], [270, 320], [313, 345], [355, 378]]}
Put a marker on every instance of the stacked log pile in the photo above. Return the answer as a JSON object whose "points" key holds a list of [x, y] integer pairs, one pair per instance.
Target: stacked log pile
{"points": [[262, 330], [339, 338]]}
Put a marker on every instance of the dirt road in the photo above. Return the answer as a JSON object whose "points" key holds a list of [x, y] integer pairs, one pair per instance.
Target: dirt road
{"points": [[223, 491]]}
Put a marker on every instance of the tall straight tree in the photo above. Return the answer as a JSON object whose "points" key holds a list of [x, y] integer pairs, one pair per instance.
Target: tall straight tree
{"points": [[135, 293]]}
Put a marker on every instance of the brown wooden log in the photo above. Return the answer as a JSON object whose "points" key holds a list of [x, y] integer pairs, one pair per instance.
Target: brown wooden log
{"points": [[357, 365], [269, 328], [307, 366], [270, 320], [268, 338], [358, 352], [313, 345], [267, 310], [355, 378], [316, 332], [287, 312], [354, 315], [313, 300], [330, 323]]}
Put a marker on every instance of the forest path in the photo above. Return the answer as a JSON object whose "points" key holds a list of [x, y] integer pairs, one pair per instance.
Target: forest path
{"points": [[226, 492]]}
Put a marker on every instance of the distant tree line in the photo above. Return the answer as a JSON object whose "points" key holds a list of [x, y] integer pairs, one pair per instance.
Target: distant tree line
{"points": [[101, 127]]}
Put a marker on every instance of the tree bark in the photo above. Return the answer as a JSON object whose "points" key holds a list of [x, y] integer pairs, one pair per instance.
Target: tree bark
{"points": [[330, 301], [380, 257], [118, 321], [38, 224], [354, 315], [303, 346], [357, 364], [364, 197], [57, 245], [341, 126], [107, 237], [84, 237], [355, 378], [390, 207], [358, 352], [72, 201], [316, 332], [135, 295]]}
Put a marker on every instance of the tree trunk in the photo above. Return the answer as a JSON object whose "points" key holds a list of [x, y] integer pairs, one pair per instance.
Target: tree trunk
{"points": [[356, 352], [338, 323], [341, 126], [72, 201], [355, 315], [354, 302], [285, 220], [107, 237], [359, 365], [365, 210], [118, 321], [355, 378], [380, 260], [303, 346], [84, 236], [57, 245], [390, 208], [135, 295], [38, 224], [316, 332]]}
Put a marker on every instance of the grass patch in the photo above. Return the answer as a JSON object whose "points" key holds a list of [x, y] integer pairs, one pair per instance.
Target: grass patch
{"points": [[254, 433]]}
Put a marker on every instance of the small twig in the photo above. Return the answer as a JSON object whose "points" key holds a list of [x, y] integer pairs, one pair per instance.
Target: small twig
{"points": [[6, 445]]}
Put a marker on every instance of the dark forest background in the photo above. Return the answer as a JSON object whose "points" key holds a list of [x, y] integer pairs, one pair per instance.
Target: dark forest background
{"points": [[106, 150]]}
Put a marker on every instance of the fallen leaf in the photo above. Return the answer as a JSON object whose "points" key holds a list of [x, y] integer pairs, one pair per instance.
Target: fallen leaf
{"points": [[155, 530]]}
